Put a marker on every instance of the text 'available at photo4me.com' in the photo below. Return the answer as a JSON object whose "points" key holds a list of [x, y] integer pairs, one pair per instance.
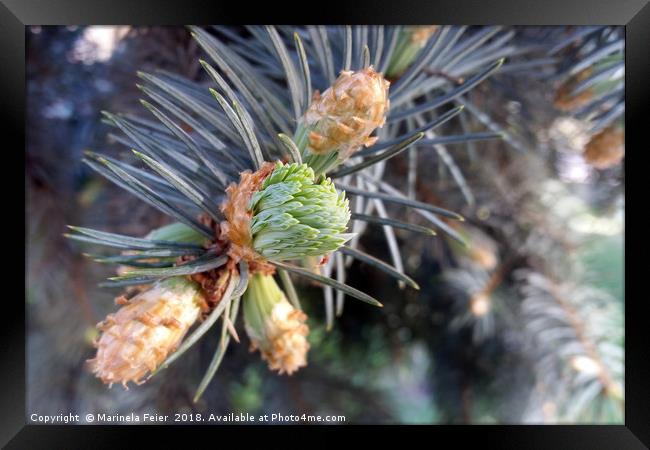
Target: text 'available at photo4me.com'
{"points": [[184, 418]]}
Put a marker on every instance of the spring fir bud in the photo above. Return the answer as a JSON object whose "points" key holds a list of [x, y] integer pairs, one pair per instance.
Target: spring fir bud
{"points": [[274, 326], [174, 232], [409, 44], [294, 216], [140, 336], [340, 120]]}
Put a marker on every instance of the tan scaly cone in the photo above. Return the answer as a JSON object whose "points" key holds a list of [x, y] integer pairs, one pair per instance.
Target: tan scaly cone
{"points": [[274, 326], [344, 116], [138, 338]]}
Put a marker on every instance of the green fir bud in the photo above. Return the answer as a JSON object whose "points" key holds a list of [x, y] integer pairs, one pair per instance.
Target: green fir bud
{"points": [[295, 216], [410, 43], [176, 232]]}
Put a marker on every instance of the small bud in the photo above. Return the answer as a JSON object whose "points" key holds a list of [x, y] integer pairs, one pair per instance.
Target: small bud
{"points": [[419, 35], [274, 326], [606, 149], [565, 100], [138, 338], [176, 232], [411, 41], [344, 116]]}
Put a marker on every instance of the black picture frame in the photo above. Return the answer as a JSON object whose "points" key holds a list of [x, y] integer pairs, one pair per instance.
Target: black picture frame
{"points": [[633, 14]]}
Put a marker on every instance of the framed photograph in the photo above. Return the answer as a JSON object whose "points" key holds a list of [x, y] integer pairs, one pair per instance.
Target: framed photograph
{"points": [[402, 213]]}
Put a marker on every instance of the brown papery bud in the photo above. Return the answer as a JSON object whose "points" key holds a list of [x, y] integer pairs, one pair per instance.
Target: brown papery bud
{"points": [[138, 338], [236, 228], [565, 101], [606, 149], [345, 115]]}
